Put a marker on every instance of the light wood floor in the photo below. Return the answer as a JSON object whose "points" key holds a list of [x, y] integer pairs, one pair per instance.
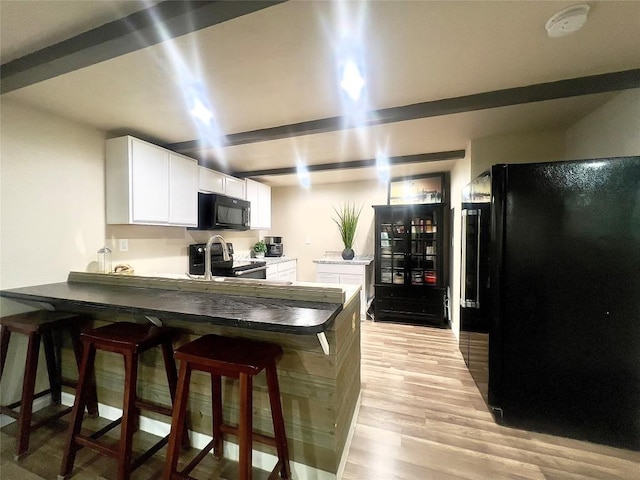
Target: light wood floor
{"points": [[421, 418]]}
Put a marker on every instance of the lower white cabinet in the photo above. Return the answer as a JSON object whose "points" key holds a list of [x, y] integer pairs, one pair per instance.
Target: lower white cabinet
{"points": [[286, 271], [345, 274], [149, 185]]}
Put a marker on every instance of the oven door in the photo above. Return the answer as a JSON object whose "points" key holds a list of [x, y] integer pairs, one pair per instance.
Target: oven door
{"points": [[256, 272]]}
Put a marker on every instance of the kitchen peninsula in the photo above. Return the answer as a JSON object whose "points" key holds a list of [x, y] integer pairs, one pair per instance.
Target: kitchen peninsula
{"points": [[320, 391]]}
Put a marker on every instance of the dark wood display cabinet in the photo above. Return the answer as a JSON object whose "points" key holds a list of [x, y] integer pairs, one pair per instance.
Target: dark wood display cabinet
{"points": [[411, 262]]}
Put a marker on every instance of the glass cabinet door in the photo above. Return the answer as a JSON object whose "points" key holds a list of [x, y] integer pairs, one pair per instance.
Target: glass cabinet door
{"points": [[393, 247], [423, 256], [408, 246]]}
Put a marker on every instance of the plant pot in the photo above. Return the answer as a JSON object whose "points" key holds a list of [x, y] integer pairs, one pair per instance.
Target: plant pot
{"points": [[259, 254], [348, 254]]}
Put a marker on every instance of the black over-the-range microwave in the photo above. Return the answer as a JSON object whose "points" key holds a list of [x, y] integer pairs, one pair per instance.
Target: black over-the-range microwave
{"points": [[219, 212]]}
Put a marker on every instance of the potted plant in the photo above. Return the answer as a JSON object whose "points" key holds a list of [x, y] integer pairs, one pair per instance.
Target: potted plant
{"points": [[347, 222], [259, 249]]}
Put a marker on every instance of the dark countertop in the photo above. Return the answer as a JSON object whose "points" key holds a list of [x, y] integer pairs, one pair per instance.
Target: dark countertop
{"points": [[269, 314]]}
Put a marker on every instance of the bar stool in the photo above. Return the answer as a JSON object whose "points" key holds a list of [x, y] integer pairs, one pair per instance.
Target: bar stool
{"points": [[129, 340], [37, 325], [237, 358]]}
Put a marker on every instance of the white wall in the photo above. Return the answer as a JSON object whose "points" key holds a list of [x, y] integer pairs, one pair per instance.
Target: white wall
{"points": [[300, 215], [611, 131], [52, 196], [546, 146], [51, 210]]}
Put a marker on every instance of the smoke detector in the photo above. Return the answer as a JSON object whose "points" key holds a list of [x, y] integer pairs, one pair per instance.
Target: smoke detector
{"points": [[567, 21]]}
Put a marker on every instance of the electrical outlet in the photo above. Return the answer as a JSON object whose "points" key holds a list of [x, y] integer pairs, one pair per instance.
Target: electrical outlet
{"points": [[123, 245]]}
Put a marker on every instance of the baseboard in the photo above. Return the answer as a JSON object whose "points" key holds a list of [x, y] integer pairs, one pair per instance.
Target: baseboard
{"points": [[261, 460], [38, 404]]}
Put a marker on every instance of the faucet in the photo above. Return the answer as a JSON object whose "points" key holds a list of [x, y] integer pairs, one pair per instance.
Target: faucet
{"points": [[207, 254]]}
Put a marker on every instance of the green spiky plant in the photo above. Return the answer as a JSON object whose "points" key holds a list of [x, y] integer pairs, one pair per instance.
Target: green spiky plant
{"points": [[347, 222]]}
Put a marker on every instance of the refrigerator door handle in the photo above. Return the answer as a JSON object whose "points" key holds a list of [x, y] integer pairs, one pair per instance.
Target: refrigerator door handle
{"points": [[477, 303], [463, 260]]}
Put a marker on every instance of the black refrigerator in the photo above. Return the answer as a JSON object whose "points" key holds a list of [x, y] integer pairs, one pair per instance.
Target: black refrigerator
{"points": [[550, 296]]}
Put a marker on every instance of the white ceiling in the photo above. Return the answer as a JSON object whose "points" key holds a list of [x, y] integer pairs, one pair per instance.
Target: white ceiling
{"points": [[277, 66]]}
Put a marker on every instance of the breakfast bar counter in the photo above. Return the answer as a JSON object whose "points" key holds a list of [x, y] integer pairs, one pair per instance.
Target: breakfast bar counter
{"points": [[320, 384], [188, 300]]}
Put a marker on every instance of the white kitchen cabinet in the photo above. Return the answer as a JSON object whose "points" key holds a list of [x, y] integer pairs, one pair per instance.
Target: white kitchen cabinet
{"points": [[149, 185], [272, 272], [183, 198], [234, 187], [286, 271], [259, 195], [210, 181], [346, 274]]}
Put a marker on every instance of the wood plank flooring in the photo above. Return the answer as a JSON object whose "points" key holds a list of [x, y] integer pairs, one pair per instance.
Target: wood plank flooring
{"points": [[421, 418]]}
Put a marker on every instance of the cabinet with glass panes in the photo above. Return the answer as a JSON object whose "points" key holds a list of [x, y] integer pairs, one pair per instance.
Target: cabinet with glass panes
{"points": [[411, 258]]}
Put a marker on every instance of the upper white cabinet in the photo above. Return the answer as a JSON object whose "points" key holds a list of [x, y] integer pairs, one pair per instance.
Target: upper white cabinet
{"points": [[211, 181], [183, 195], [259, 195], [149, 185], [234, 187]]}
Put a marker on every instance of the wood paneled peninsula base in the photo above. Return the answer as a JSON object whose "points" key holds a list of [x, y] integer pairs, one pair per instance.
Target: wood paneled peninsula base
{"points": [[320, 392]]}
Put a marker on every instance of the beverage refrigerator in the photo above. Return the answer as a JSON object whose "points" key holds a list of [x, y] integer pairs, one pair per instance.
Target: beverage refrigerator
{"points": [[550, 296]]}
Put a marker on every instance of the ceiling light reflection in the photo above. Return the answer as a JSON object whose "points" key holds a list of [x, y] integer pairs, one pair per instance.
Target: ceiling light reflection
{"points": [[187, 74], [382, 167], [303, 175], [352, 81], [201, 112], [346, 33]]}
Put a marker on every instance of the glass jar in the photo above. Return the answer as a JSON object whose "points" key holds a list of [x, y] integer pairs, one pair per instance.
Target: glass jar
{"points": [[104, 260]]}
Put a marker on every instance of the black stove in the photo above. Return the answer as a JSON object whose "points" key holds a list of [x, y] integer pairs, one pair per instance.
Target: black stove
{"points": [[222, 268]]}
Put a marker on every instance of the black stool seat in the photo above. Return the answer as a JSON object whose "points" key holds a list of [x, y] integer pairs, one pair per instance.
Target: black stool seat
{"points": [[236, 358], [129, 340], [37, 325]]}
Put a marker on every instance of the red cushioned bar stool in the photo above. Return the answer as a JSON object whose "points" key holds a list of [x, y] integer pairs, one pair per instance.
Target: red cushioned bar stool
{"points": [[41, 325], [236, 358], [130, 340]]}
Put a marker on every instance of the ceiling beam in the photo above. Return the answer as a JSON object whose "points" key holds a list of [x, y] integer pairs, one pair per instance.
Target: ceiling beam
{"points": [[156, 24], [607, 82], [419, 158]]}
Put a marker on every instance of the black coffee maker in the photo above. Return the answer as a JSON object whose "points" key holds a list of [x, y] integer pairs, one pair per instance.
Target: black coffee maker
{"points": [[274, 246]]}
